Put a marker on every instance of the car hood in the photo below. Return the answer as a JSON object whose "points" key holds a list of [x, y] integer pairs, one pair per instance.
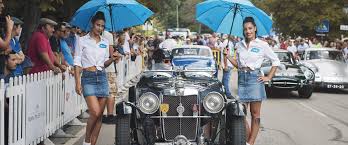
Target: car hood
{"points": [[330, 67], [285, 70]]}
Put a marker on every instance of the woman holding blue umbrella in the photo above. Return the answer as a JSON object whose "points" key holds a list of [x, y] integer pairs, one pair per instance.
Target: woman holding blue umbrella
{"points": [[92, 57], [251, 52]]}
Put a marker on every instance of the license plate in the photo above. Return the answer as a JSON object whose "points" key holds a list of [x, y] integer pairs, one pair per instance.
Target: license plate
{"points": [[335, 86]]}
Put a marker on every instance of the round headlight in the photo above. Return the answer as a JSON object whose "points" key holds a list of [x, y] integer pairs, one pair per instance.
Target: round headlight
{"points": [[213, 102], [309, 74], [148, 103]]}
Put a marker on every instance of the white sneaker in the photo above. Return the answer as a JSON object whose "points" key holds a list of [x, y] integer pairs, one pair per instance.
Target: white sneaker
{"points": [[84, 143]]}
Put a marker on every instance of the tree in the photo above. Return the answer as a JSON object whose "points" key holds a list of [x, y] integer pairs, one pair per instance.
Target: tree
{"points": [[300, 17], [165, 12]]}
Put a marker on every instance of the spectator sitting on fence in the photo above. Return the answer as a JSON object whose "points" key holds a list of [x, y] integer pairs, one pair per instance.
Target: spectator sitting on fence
{"points": [[40, 51]]}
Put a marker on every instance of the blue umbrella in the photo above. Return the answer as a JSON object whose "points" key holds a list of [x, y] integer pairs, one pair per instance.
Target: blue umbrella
{"points": [[226, 16], [119, 14]]}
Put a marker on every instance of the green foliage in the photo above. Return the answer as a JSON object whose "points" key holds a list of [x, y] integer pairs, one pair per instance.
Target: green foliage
{"points": [[165, 12], [49, 5], [300, 17]]}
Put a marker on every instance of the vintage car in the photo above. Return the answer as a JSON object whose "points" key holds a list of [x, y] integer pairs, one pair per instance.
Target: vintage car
{"points": [[185, 105], [329, 65], [290, 75]]}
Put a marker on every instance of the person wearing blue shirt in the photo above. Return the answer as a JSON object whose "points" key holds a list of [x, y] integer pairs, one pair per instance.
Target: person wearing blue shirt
{"points": [[16, 46], [66, 52]]}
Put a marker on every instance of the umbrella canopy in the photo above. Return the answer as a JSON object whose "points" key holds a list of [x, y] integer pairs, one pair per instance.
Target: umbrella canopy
{"points": [[226, 16], [119, 14]]}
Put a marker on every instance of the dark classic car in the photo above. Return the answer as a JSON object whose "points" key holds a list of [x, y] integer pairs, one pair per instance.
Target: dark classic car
{"points": [[290, 75], [186, 105]]}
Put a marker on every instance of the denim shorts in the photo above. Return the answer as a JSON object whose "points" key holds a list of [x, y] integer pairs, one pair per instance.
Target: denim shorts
{"points": [[249, 88], [94, 83]]}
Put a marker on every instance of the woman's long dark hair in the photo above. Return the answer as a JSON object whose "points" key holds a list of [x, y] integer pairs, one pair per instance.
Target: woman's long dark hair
{"points": [[251, 20]]}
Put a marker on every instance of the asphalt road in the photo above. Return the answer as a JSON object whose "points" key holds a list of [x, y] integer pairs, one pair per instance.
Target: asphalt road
{"points": [[320, 120]]}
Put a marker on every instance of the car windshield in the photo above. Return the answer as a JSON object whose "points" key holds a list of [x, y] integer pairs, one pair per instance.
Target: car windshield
{"points": [[325, 54], [285, 57], [191, 52], [193, 63]]}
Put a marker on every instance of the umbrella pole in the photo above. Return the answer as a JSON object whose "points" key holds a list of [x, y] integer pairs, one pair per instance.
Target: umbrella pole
{"points": [[234, 16], [112, 30], [229, 35]]}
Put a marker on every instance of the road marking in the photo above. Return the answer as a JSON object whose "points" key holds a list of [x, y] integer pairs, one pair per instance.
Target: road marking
{"points": [[315, 111]]}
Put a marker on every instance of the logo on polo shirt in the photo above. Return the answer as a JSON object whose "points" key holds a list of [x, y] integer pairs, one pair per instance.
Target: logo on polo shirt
{"points": [[256, 50], [102, 45]]}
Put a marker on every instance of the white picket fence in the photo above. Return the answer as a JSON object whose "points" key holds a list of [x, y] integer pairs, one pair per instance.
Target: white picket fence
{"points": [[2, 112], [40, 104]]}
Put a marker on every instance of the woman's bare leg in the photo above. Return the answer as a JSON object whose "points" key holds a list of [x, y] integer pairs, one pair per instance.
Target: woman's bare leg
{"points": [[247, 127], [94, 113], [98, 124], [255, 109]]}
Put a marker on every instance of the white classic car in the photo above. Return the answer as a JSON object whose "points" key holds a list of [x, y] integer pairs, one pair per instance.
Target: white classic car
{"points": [[329, 65]]}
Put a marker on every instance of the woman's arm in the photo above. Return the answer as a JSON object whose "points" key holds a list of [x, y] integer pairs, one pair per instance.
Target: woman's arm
{"points": [[269, 53], [114, 58], [233, 61], [78, 88]]}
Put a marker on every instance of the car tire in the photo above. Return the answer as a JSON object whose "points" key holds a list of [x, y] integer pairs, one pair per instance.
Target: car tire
{"points": [[123, 133], [305, 92], [235, 130]]}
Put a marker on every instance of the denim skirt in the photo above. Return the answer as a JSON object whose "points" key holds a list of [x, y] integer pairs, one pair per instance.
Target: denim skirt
{"points": [[249, 88], [94, 83]]}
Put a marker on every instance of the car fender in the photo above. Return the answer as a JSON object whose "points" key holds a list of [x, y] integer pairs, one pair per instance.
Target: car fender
{"points": [[124, 108], [235, 108]]}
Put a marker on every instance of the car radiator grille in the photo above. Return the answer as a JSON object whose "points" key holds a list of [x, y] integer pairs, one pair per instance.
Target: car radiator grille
{"points": [[285, 84], [173, 127]]}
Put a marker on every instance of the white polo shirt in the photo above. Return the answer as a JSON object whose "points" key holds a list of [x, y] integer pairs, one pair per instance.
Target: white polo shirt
{"points": [[253, 56], [89, 53]]}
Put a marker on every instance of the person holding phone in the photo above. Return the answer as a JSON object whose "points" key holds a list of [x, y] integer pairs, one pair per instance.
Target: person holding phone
{"points": [[251, 52], [92, 56]]}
